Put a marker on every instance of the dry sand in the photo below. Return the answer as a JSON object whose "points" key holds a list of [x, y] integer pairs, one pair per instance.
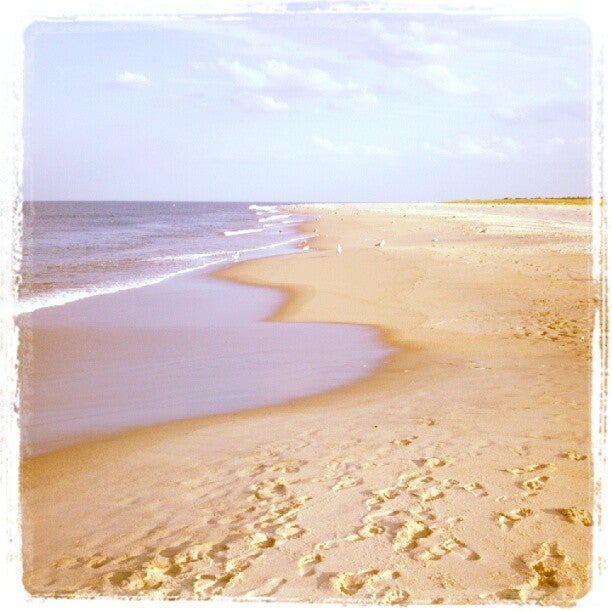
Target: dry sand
{"points": [[459, 472]]}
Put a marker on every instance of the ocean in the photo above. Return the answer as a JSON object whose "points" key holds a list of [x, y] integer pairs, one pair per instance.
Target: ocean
{"points": [[73, 250]]}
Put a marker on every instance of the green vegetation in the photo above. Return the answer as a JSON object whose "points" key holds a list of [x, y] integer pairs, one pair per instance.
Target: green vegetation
{"points": [[571, 200]]}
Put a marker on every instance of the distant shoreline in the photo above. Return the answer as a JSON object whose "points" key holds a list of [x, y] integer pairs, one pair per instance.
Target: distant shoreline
{"points": [[573, 201]]}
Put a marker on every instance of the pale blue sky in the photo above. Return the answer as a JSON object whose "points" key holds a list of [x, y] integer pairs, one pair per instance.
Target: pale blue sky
{"points": [[307, 108]]}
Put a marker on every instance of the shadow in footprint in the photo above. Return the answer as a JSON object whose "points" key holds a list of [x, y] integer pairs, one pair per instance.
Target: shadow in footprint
{"points": [[324, 579]]}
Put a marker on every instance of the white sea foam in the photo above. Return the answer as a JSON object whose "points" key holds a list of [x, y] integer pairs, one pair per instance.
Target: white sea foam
{"points": [[275, 244], [65, 297], [273, 218], [242, 231], [263, 208], [188, 256]]}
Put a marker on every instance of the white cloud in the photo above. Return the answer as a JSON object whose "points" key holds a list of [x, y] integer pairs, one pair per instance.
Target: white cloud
{"points": [[502, 147], [262, 102], [132, 80], [547, 111], [328, 145], [244, 76], [349, 148], [510, 145], [415, 44], [278, 77], [468, 148], [443, 79], [284, 76]]}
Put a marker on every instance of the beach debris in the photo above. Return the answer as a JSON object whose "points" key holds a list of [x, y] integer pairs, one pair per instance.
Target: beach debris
{"points": [[434, 239], [306, 248], [380, 244], [339, 249]]}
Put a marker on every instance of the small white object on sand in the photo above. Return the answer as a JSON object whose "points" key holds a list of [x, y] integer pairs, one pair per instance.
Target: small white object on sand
{"points": [[305, 248], [380, 244], [339, 249], [434, 240]]}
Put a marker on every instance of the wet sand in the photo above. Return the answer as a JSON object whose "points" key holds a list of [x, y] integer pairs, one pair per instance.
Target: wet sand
{"points": [[190, 346], [458, 472]]}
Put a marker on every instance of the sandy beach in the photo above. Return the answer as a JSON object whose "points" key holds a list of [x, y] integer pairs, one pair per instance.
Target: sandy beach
{"points": [[459, 471]]}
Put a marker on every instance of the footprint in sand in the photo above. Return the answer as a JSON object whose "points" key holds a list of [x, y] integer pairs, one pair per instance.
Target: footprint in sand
{"points": [[262, 540], [393, 596], [268, 488], [326, 545], [577, 516], [289, 466], [449, 482], [408, 535], [451, 545], [553, 578], [290, 531], [189, 555], [430, 462], [238, 565], [429, 494], [307, 562], [346, 482], [217, 552], [476, 489], [425, 421], [533, 485], [97, 561], [507, 520], [350, 583], [574, 455], [404, 441], [281, 512], [412, 481], [370, 529], [528, 468], [151, 576], [382, 495]]}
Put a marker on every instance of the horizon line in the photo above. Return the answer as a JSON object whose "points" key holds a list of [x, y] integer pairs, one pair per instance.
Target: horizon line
{"points": [[445, 201]]}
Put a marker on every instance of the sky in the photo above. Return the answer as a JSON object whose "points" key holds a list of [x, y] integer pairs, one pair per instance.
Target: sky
{"points": [[307, 107]]}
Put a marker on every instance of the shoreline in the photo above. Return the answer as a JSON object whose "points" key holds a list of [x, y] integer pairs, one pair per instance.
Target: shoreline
{"points": [[181, 335], [407, 446]]}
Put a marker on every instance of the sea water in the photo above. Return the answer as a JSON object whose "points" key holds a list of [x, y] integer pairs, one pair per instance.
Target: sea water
{"points": [[73, 250]]}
